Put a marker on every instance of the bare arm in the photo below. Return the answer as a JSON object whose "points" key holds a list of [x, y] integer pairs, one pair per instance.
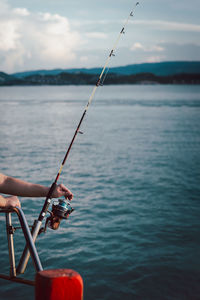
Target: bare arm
{"points": [[17, 187], [13, 186]]}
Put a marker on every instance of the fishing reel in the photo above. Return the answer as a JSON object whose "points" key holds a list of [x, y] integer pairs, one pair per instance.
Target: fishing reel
{"points": [[61, 209]]}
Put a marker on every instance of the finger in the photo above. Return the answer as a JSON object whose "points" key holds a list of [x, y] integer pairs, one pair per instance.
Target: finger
{"points": [[65, 189], [68, 195]]}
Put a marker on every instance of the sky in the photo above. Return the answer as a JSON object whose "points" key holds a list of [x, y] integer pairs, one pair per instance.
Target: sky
{"points": [[49, 34]]}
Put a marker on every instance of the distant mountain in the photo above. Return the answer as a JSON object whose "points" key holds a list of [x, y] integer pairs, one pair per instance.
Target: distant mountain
{"points": [[57, 72], [6, 79], [92, 79], [159, 69], [147, 73]]}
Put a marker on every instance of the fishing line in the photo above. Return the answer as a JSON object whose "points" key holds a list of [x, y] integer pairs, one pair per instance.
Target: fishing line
{"points": [[99, 82], [104, 77]]}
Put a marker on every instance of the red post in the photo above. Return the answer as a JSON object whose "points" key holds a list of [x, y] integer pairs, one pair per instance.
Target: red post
{"points": [[59, 284]]}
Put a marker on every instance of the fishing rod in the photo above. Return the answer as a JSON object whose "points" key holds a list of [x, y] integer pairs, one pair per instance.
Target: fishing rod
{"points": [[98, 83], [63, 209]]}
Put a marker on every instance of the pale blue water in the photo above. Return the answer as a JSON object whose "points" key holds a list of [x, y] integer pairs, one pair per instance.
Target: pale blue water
{"points": [[135, 174]]}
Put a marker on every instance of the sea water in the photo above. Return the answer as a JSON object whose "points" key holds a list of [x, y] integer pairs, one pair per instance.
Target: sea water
{"points": [[135, 175]]}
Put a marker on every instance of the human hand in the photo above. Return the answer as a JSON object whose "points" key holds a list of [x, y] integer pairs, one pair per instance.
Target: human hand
{"points": [[62, 190], [12, 201]]}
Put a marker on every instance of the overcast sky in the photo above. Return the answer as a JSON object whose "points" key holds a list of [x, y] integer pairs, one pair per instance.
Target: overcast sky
{"points": [[50, 34]]}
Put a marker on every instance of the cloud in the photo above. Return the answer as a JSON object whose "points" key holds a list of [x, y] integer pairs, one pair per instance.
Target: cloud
{"points": [[21, 11], [154, 59], [139, 47], [156, 24], [8, 35], [165, 51], [171, 26], [35, 40]]}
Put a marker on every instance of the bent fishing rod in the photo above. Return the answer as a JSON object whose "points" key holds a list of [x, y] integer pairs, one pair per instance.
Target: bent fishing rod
{"points": [[62, 209]]}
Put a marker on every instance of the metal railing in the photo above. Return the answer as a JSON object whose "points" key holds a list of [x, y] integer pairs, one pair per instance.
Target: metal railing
{"points": [[29, 244]]}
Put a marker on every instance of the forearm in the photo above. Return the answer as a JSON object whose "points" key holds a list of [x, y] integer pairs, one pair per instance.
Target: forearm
{"points": [[14, 186]]}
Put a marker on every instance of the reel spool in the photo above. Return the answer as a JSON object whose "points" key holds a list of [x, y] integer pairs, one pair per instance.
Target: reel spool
{"points": [[61, 209]]}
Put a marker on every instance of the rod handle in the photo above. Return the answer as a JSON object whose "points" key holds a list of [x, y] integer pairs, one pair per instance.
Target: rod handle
{"points": [[47, 202]]}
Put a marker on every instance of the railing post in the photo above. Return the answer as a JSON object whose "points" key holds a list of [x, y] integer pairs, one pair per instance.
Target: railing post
{"points": [[26, 253], [9, 231], [59, 284]]}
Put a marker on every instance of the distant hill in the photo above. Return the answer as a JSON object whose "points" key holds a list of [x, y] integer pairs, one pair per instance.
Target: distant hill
{"points": [[159, 69], [147, 73], [6, 79]]}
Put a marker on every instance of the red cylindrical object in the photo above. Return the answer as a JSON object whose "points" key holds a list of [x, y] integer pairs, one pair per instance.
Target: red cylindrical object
{"points": [[59, 284]]}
